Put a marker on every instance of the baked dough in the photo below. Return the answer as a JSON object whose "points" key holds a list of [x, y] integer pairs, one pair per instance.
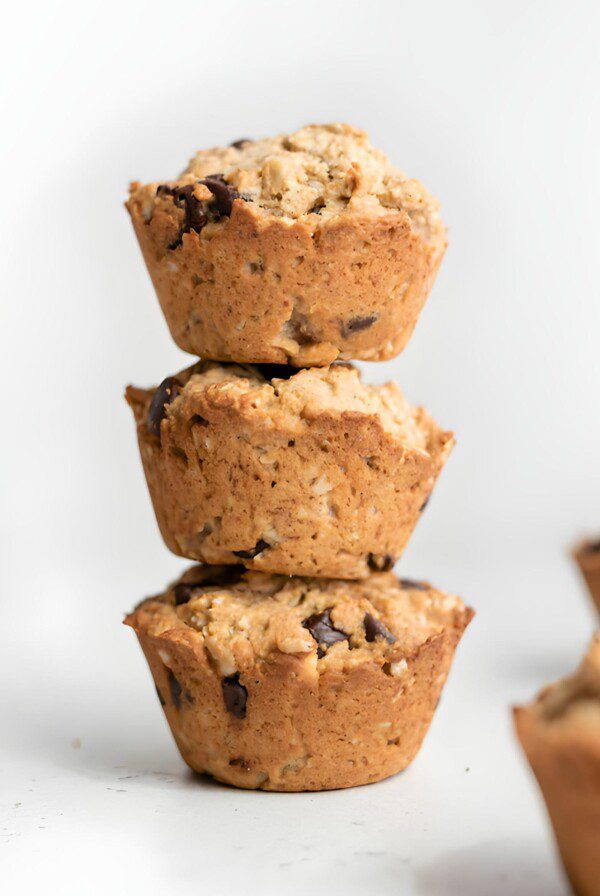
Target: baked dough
{"points": [[295, 683], [300, 249]]}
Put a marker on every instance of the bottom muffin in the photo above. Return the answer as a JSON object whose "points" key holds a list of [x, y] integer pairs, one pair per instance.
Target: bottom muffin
{"points": [[294, 684], [560, 734]]}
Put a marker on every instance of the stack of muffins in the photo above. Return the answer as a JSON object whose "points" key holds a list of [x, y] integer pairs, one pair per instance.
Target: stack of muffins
{"points": [[292, 658]]}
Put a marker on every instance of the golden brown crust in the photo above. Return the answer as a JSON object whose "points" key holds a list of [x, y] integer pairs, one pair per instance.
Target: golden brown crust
{"points": [[587, 557], [314, 475], [264, 284], [352, 716], [560, 734]]}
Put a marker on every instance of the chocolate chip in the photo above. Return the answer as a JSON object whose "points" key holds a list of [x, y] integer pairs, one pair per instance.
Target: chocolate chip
{"points": [[416, 586], [355, 324], [164, 395], [205, 578], [224, 194], [593, 547], [316, 208], [380, 563], [183, 591], [242, 763], [276, 371], [258, 548], [424, 504], [222, 575], [199, 212], [195, 215], [323, 631], [374, 628], [235, 696], [175, 689], [238, 144]]}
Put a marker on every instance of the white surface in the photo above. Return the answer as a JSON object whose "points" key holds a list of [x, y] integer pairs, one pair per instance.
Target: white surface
{"points": [[495, 107]]}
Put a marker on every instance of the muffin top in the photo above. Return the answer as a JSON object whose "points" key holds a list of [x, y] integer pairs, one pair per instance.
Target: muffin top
{"points": [[244, 616], [575, 700], [318, 173], [286, 398]]}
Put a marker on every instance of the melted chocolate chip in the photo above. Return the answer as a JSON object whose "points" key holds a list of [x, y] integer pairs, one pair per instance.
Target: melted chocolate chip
{"points": [[323, 631], [374, 628], [223, 575], [164, 395], [316, 208], [224, 194], [276, 371], [258, 548], [379, 563], [242, 763], [197, 212], [206, 578], [183, 591], [416, 586], [195, 215], [159, 695], [238, 144], [355, 324], [235, 696], [175, 689]]}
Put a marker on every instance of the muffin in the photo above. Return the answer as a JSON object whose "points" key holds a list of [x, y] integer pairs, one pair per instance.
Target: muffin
{"points": [[587, 557], [295, 684], [308, 472], [298, 249], [560, 733]]}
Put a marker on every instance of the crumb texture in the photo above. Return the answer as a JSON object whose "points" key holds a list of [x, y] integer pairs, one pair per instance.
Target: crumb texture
{"points": [[574, 700], [297, 683], [301, 249], [321, 170], [315, 473]]}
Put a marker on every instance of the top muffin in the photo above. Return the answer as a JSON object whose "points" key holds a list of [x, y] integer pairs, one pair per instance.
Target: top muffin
{"points": [[296, 249]]}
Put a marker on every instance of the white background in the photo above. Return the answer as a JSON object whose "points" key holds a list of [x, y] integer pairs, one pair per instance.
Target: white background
{"points": [[495, 107]]}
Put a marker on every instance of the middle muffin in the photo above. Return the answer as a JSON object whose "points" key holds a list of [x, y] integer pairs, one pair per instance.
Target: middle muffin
{"points": [[308, 472]]}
